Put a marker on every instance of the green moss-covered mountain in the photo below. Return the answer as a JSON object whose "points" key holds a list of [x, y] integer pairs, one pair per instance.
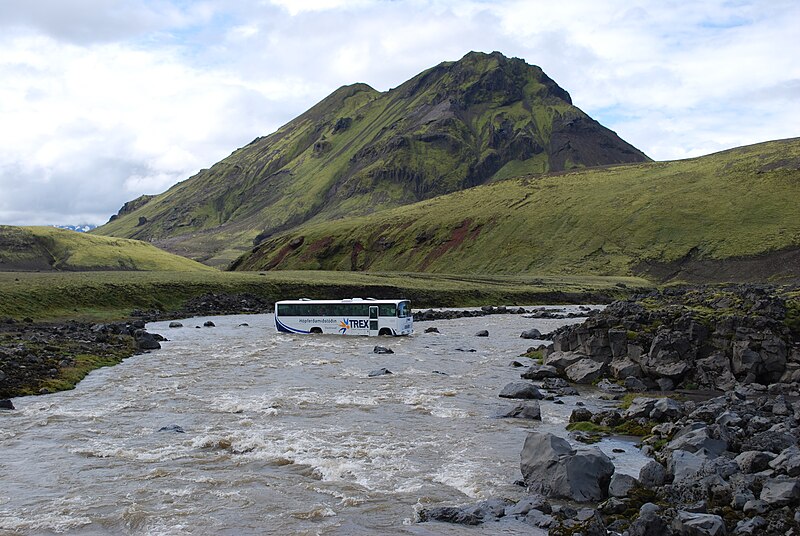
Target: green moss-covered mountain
{"points": [[457, 125], [49, 248], [728, 216]]}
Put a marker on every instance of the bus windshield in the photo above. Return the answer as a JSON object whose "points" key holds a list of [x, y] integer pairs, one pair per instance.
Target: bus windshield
{"points": [[403, 309]]}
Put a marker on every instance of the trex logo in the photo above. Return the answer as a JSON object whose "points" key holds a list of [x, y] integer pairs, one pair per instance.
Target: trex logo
{"points": [[346, 324]]}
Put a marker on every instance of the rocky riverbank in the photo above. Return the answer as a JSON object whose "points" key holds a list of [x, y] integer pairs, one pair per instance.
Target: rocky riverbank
{"points": [[39, 358], [532, 312], [729, 464]]}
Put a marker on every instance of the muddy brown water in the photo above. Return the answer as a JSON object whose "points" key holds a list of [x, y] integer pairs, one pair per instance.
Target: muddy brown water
{"points": [[283, 434]]}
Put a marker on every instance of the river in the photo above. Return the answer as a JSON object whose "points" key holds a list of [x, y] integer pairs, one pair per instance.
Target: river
{"points": [[282, 434]]}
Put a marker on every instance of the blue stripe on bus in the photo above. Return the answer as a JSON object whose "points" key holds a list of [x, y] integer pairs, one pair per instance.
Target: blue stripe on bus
{"points": [[286, 329]]}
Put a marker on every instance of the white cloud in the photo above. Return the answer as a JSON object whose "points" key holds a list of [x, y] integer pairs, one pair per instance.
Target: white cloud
{"points": [[105, 100]]}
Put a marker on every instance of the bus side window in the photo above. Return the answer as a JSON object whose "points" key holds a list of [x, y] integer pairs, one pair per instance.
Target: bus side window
{"points": [[387, 309]]}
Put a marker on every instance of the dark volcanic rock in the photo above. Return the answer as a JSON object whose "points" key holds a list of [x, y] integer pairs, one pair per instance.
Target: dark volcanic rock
{"points": [[552, 467], [382, 350], [6, 404], [521, 390], [526, 410]]}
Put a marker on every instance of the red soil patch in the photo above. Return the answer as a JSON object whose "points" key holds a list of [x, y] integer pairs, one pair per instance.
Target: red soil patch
{"points": [[459, 235]]}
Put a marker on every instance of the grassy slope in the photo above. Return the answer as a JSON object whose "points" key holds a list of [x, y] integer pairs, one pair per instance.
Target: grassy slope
{"points": [[740, 202], [42, 248], [452, 126], [105, 295]]}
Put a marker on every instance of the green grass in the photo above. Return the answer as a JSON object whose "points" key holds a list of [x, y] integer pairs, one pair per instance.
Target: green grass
{"points": [[61, 249], [738, 203], [112, 295]]}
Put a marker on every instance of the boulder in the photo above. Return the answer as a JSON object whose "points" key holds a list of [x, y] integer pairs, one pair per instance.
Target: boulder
{"points": [[652, 475], [753, 526], [585, 371], [623, 368], [671, 356], [6, 404], [618, 342], [770, 441], [528, 503], [562, 360], [761, 355], [609, 387], [531, 334], [382, 350], [555, 383], [634, 384], [640, 408], [696, 440], [145, 340], [482, 333], [787, 462], [684, 466], [552, 467], [448, 514], [540, 372], [648, 523], [522, 390], [666, 409], [526, 410], [580, 415], [174, 428], [380, 372], [208, 324], [621, 485], [175, 325], [714, 372], [753, 461], [696, 524], [431, 330], [781, 491]]}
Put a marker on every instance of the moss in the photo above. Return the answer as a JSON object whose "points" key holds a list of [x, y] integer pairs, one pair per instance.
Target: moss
{"points": [[792, 320], [536, 355]]}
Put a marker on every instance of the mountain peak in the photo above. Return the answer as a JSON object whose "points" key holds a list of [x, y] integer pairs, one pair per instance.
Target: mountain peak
{"points": [[459, 124]]}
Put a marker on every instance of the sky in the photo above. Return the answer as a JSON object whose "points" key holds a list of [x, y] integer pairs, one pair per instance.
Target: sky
{"points": [[102, 101]]}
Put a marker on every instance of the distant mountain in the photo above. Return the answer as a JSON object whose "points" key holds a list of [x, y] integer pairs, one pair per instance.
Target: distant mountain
{"points": [[729, 216], [457, 125], [50, 248], [84, 228]]}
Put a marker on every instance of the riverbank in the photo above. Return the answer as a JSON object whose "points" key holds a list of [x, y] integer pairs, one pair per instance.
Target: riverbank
{"points": [[725, 465], [113, 296], [48, 340]]}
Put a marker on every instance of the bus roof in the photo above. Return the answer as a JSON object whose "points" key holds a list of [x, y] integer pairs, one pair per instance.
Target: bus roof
{"points": [[346, 300]]}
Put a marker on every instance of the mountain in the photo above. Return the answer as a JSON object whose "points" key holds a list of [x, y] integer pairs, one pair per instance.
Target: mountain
{"points": [[50, 248], [82, 228], [457, 125], [728, 216]]}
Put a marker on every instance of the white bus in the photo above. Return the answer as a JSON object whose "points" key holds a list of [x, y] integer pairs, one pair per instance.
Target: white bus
{"points": [[355, 316]]}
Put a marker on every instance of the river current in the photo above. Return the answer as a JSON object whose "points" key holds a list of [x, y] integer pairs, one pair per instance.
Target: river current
{"points": [[238, 429]]}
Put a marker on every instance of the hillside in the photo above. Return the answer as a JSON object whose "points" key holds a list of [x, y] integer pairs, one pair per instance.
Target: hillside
{"points": [[459, 124], [727, 216], [49, 248]]}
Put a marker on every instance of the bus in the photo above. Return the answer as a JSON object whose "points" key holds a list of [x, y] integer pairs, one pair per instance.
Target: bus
{"points": [[353, 316]]}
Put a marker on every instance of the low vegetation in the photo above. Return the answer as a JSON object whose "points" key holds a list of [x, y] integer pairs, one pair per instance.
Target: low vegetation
{"points": [[727, 216], [107, 295], [49, 248]]}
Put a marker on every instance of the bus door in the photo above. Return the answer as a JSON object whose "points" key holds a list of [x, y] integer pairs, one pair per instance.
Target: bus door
{"points": [[373, 320]]}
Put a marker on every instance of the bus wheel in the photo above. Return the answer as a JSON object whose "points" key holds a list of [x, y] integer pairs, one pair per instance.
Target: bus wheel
{"points": [[316, 330], [385, 331]]}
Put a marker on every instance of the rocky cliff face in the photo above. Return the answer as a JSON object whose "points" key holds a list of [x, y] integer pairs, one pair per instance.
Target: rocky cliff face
{"points": [[457, 125], [707, 338]]}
